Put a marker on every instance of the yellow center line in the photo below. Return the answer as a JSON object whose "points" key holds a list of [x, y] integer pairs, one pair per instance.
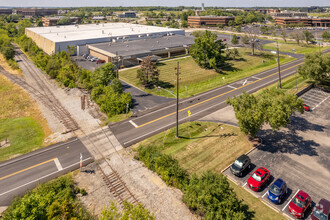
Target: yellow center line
{"points": [[39, 164], [157, 119]]}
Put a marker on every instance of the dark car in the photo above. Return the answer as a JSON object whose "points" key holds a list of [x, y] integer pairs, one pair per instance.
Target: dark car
{"points": [[299, 204], [100, 61], [85, 56], [240, 165], [321, 210], [277, 191], [258, 179]]}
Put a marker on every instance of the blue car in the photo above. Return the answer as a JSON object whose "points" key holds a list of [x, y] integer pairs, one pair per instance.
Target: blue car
{"points": [[277, 191]]}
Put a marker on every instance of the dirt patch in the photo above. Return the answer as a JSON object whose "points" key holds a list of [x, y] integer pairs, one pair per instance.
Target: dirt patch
{"points": [[6, 66]]}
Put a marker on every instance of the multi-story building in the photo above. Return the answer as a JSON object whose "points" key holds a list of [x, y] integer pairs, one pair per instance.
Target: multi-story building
{"points": [[195, 21], [29, 12], [312, 22], [52, 21], [290, 14], [127, 14], [6, 11]]}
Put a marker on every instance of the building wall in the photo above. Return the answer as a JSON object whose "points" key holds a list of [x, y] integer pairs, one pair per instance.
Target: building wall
{"points": [[6, 11], [315, 22], [194, 21], [100, 56]]}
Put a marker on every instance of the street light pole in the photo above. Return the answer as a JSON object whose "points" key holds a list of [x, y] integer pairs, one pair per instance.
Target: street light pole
{"points": [[279, 68], [177, 100], [117, 63]]}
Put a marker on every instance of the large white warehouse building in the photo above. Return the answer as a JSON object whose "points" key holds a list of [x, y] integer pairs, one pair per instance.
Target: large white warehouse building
{"points": [[57, 38]]}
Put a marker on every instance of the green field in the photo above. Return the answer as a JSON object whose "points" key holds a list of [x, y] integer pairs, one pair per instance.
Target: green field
{"points": [[288, 46], [24, 134], [210, 146], [20, 121], [195, 80]]}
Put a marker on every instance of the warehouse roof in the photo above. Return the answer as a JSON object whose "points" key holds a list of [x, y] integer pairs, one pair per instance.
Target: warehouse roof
{"points": [[95, 31], [143, 46]]}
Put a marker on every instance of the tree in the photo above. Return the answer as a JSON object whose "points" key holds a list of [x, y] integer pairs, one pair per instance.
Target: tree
{"points": [[254, 42], [184, 24], [325, 35], [231, 23], [245, 39], [308, 36], [64, 21], [273, 107], [148, 73], [284, 35], [103, 74], [207, 51], [239, 20], [116, 85], [234, 40], [264, 29], [298, 36], [39, 23], [238, 28], [316, 67]]}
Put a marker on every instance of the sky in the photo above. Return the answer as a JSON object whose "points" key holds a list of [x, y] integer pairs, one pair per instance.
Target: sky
{"points": [[219, 3]]}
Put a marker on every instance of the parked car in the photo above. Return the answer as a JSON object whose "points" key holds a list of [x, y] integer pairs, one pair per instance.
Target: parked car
{"points": [[299, 204], [277, 191], [306, 107], [85, 56], [321, 210], [94, 59], [240, 165], [224, 39], [258, 179], [238, 37], [100, 61], [90, 58]]}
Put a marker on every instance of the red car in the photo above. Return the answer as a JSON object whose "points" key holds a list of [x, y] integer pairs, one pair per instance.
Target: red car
{"points": [[100, 61], [258, 179], [306, 107], [321, 210], [299, 204]]}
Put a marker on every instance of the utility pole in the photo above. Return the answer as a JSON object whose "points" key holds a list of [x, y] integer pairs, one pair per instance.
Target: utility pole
{"points": [[117, 63], [278, 64], [177, 100]]}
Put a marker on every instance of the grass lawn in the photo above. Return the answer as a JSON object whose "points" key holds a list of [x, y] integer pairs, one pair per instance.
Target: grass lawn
{"points": [[20, 121], [288, 46], [24, 134], [210, 146], [195, 80]]}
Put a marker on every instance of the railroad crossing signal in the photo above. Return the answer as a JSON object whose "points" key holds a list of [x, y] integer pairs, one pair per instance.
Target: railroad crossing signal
{"points": [[189, 113]]}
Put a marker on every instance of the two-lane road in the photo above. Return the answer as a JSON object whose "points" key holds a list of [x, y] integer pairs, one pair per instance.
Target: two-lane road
{"points": [[23, 173], [136, 129]]}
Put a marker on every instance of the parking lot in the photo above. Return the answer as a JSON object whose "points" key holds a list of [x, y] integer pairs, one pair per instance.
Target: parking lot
{"points": [[298, 154], [314, 97]]}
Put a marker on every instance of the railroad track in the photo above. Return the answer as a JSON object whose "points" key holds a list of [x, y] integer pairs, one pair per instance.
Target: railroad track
{"points": [[112, 179]]}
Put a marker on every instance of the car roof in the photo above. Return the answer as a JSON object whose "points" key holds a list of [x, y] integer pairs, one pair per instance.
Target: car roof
{"points": [[303, 194], [324, 206], [279, 182], [261, 171], [242, 157]]}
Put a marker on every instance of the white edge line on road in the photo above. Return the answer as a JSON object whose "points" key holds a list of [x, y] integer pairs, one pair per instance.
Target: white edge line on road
{"points": [[244, 184], [320, 103], [36, 153], [264, 194], [58, 164], [216, 89], [231, 87], [290, 200], [132, 122], [255, 77], [36, 180], [197, 112]]}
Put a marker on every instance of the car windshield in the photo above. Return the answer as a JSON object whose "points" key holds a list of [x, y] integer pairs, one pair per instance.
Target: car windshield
{"points": [[275, 189], [297, 202], [320, 215], [256, 177], [238, 163]]}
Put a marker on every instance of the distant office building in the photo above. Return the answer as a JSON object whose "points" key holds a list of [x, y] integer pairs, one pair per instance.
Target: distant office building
{"points": [[127, 14], [312, 22], [52, 21], [6, 11], [311, 8], [263, 11], [98, 18], [290, 14], [195, 21], [29, 12]]}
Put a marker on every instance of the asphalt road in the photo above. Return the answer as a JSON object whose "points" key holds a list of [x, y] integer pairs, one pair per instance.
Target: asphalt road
{"points": [[26, 172], [136, 129]]}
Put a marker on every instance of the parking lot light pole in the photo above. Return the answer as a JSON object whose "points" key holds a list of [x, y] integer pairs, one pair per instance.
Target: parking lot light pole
{"points": [[117, 63], [177, 100]]}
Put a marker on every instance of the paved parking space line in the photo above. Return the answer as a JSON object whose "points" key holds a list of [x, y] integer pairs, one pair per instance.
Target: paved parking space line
{"points": [[233, 180], [132, 122], [264, 194], [290, 200], [314, 96], [320, 102], [231, 87], [244, 184]]}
